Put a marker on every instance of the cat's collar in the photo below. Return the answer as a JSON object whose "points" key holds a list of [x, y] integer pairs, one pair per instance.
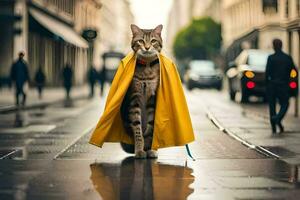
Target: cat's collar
{"points": [[143, 63]]}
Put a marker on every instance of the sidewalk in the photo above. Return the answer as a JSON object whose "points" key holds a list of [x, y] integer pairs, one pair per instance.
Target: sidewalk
{"points": [[249, 124], [50, 95]]}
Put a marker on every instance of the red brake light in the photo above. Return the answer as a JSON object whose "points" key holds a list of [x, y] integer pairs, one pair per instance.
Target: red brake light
{"points": [[250, 84], [293, 85]]}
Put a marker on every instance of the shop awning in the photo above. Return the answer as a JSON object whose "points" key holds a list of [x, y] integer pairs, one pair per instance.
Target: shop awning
{"points": [[58, 28]]}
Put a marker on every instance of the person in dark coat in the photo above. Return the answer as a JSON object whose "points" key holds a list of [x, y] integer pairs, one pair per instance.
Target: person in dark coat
{"points": [[92, 78], [102, 79], [279, 66], [40, 80], [67, 77], [19, 75]]}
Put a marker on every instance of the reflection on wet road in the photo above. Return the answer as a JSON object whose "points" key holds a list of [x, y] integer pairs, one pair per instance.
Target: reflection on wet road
{"points": [[141, 179], [34, 133]]}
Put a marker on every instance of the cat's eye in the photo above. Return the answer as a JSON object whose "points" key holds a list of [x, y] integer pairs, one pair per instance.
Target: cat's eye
{"points": [[141, 41], [153, 41]]}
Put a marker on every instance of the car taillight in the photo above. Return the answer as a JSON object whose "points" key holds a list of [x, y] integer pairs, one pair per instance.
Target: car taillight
{"points": [[293, 85], [250, 84], [249, 74], [293, 73]]}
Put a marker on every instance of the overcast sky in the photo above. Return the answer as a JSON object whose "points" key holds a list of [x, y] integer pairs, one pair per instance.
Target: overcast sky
{"points": [[150, 13]]}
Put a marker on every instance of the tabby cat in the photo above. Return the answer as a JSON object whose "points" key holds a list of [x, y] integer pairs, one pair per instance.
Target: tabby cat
{"points": [[138, 106]]}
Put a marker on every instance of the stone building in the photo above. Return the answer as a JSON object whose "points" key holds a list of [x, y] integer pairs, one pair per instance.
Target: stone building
{"points": [[115, 33], [258, 22], [183, 11], [50, 33], [87, 23], [44, 30], [112, 25]]}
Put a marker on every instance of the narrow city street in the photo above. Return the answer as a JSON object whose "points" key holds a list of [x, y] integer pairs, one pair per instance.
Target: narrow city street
{"points": [[236, 62], [45, 155]]}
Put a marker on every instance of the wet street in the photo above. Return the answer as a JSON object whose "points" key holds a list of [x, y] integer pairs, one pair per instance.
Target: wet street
{"points": [[45, 155]]}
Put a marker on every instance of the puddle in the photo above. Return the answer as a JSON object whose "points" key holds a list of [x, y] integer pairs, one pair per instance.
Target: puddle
{"points": [[136, 179]]}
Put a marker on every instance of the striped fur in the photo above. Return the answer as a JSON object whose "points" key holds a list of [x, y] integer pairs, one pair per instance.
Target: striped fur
{"points": [[138, 106]]}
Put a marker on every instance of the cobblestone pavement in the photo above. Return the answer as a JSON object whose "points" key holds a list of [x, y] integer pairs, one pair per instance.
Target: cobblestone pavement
{"points": [[46, 156]]}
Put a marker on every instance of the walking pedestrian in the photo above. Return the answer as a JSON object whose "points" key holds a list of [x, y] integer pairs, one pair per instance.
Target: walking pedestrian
{"points": [[279, 66], [92, 78], [102, 79], [40, 80], [67, 77], [19, 76]]}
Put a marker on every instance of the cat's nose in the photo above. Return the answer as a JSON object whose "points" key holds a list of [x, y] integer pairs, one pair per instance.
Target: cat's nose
{"points": [[147, 47]]}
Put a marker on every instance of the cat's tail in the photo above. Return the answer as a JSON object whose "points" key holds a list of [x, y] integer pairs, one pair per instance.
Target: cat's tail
{"points": [[128, 148]]}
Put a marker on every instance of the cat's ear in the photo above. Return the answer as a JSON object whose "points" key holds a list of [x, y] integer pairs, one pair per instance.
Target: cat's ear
{"points": [[135, 29], [158, 29]]}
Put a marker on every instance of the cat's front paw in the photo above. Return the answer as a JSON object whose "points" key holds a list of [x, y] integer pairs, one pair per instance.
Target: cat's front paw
{"points": [[140, 154], [152, 154]]}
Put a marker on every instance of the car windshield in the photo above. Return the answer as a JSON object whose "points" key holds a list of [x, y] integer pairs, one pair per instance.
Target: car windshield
{"points": [[258, 60], [112, 63], [202, 67]]}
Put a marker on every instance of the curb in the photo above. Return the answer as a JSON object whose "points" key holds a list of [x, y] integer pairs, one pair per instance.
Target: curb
{"points": [[85, 132], [257, 148]]}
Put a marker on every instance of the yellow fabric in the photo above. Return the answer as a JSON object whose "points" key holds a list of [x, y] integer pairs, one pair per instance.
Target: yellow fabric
{"points": [[172, 125]]}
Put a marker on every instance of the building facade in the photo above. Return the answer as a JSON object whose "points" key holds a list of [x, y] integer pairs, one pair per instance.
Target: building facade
{"points": [[111, 20], [179, 16], [50, 32], [115, 33], [183, 11], [87, 21], [258, 22], [44, 30]]}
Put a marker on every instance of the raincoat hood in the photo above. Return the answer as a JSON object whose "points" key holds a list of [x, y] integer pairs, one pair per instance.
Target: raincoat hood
{"points": [[172, 125]]}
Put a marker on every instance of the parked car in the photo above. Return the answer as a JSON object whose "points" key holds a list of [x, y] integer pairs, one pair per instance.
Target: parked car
{"points": [[203, 73], [247, 75]]}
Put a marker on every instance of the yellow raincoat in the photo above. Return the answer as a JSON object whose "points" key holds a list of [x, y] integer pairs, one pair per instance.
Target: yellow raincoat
{"points": [[172, 125]]}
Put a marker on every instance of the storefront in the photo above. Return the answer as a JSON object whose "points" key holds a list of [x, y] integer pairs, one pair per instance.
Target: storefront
{"points": [[52, 44], [48, 41]]}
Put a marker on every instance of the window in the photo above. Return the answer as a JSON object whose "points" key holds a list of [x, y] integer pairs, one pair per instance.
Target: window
{"points": [[287, 8], [257, 60], [270, 6], [298, 7]]}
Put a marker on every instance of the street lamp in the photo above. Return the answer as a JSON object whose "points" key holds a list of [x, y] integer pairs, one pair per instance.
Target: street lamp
{"points": [[90, 35]]}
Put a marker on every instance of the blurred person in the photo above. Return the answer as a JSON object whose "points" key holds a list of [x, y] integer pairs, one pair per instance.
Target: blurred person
{"points": [[279, 66], [92, 78], [67, 77], [102, 79], [20, 77], [40, 80]]}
